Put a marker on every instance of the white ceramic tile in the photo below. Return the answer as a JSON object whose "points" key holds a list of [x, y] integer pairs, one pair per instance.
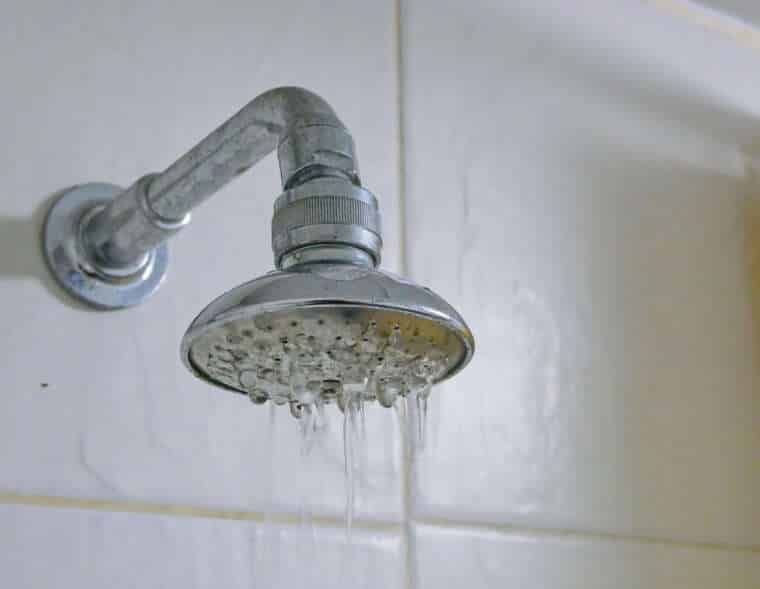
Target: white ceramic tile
{"points": [[110, 92], [597, 246], [47, 547], [453, 558]]}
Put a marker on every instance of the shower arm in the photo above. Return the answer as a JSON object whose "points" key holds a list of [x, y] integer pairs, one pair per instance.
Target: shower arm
{"points": [[310, 139], [113, 254]]}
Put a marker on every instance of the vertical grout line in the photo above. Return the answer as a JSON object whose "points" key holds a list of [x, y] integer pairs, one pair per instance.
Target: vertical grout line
{"points": [[406, 474], [401, 187]]}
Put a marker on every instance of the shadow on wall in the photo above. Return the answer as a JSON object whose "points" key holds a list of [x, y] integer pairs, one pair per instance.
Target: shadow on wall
{"points": [[21, 251]]}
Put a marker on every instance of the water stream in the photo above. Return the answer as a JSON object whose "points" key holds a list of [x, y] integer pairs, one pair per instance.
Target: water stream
{"points": [[309, 366]]}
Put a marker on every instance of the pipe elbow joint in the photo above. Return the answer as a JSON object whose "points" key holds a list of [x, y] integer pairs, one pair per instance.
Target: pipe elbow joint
{"points": [[314, 142]]}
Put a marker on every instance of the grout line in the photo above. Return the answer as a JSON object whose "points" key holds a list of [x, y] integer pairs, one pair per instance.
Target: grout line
{"points": [[713, 21], [406, 470], [509, 529], [142, 507], [137, 507], [401, 163]]}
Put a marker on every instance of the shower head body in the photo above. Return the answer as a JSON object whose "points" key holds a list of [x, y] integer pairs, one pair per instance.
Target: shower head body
{"points": [[316, 330]]}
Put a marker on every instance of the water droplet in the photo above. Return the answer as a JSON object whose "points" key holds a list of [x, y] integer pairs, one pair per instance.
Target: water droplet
{"points": [[400, 408], [248, 379], [257, 396], [388, 391], [279, 393], [342, 403], [416, 382], [331, 389], [302, 390], [421, 419], [349, 440], [296, 409], [320, 418], [222, 366], [311, 392]]}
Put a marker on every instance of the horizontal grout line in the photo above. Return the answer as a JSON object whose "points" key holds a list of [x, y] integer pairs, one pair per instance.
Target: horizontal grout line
{"points": [[510, 529], [141, 507]]}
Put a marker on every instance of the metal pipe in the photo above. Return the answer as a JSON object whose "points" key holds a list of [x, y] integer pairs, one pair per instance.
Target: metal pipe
{"points": [[311, 141], [106, 245]]}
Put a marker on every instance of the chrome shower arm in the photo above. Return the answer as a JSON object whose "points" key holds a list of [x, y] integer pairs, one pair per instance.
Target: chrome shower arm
{"points": [[106, 245], [310, 139], [255, 131]]}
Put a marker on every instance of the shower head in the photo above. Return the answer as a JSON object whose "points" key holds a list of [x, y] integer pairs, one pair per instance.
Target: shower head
{"points": [[327, 325], [321, 332]]}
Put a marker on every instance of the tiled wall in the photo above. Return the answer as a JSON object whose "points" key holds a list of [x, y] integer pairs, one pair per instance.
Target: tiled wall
{"points": [[572, 176]]}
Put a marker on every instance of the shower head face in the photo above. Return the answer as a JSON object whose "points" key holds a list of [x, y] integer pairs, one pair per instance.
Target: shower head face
{"points": [[327, 332]]}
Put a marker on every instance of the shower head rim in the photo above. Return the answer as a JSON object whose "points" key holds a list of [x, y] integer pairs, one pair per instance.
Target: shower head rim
{"points": [[461, 330], [327, 286]]}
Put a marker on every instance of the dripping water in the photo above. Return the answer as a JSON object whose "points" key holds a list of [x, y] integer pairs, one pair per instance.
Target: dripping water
{"points": [[350, 439], [306, 427], [412, 416], [364, 458], [308, 366], [310, 430], [421, 415], [421, 419], [264, 536], [349, 458], [349, 365]]}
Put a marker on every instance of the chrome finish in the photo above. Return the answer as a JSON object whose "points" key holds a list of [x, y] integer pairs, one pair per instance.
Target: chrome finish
{"points": [[303, 320], [255, 131], [128, 228], [330, 254], [326, 211], [78, 269], [315, 150], [313, 144]]}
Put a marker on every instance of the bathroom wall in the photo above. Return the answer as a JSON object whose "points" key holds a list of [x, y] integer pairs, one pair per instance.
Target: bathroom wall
{"points": [[577, 179]]}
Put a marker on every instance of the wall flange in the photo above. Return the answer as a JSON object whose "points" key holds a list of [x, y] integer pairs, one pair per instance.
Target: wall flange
{"points": [[75, 268]]}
